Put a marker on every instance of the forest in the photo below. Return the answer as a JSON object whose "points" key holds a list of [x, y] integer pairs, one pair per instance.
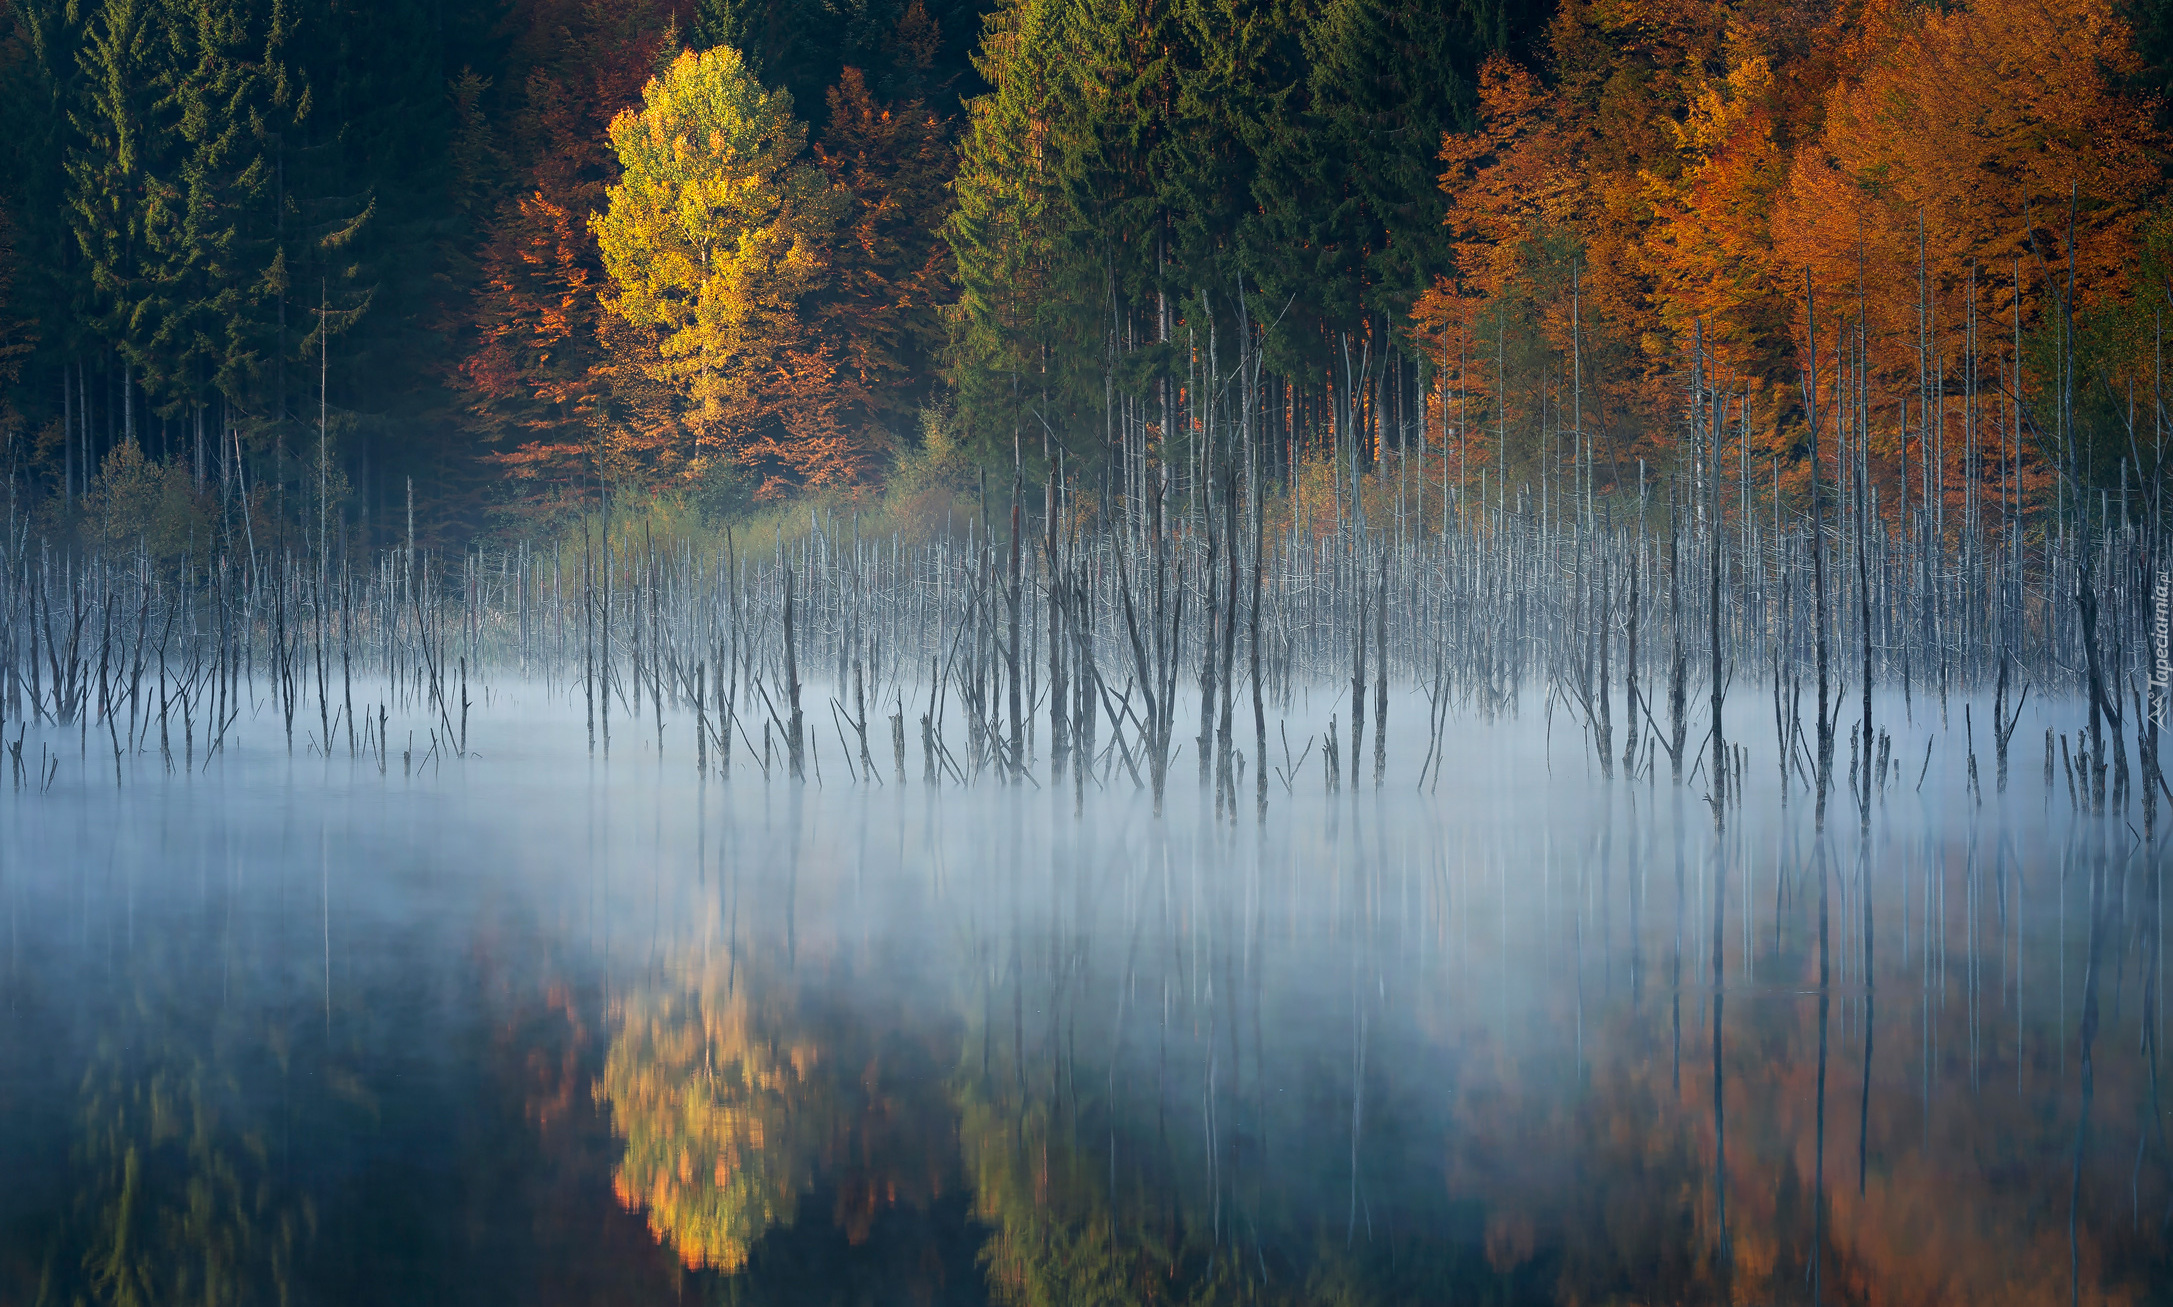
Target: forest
{"points": [[472, 268]]}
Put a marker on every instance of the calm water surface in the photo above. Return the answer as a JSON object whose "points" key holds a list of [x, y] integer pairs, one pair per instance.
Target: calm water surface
{"points": [[521, 1029]]}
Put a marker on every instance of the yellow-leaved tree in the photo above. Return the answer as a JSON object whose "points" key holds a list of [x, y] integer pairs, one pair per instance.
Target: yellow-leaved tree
{"points": [[717, 239]]}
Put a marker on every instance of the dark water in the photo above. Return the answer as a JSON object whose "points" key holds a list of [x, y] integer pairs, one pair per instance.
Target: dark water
{"points": [[526, 1030]]}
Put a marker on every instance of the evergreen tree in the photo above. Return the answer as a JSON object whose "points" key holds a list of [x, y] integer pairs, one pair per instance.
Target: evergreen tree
{"points": [[198, 322], [37, 88], [114, 156], [1029, 305], [905, 49], [17, 336]]}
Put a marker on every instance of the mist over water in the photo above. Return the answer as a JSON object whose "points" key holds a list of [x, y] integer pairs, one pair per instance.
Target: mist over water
{"points": [[534, 1026]]}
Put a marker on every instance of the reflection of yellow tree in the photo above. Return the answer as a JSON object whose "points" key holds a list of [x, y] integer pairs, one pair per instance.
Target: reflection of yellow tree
{"points": [[719, 1112], [733, 1091]]}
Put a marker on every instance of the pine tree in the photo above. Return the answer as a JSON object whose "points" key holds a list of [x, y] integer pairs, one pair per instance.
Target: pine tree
{"points": [[18, 334], [1032, 323], [110, 162], [201, 322]]}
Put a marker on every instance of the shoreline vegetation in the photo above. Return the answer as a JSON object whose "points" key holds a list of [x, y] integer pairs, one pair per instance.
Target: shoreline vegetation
{"points": [[1053, 646]]}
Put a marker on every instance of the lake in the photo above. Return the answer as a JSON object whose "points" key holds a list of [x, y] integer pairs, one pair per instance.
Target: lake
{"points": [[535, 1026]]}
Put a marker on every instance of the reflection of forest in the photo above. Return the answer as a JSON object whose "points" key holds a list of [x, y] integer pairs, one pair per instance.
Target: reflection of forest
{"points": [[1464, 1088], [1952, 1117], [218, 1144], [1346, 1115], [179, 1200], [160, 1170]]}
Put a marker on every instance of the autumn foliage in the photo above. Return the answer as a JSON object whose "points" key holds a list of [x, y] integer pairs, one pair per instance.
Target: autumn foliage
{"points": [[1952, 186], [735, 1097], [683, 292], [534, 379]]}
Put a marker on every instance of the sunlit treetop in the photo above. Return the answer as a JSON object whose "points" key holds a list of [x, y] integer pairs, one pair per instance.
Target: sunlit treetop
{"points": [[717, 227]]}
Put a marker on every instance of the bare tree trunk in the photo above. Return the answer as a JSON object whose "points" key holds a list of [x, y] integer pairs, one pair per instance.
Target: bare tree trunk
{"points": [[795, 723], [1380, 678]]}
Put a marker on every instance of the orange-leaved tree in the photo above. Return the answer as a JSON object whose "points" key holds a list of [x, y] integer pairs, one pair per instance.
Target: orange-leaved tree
{"points": [[1988, 161], [893, 268], [539, 376], [1960, 138]]}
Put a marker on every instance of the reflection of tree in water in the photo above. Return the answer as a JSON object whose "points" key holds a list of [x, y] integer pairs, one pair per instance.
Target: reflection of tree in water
{"points": [[1057, 1236], [1180, 1164], [1053, 1237], [1604, 1192], [736, 1097], [179, 1203], [716, 1103], [1066, 1227]]}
